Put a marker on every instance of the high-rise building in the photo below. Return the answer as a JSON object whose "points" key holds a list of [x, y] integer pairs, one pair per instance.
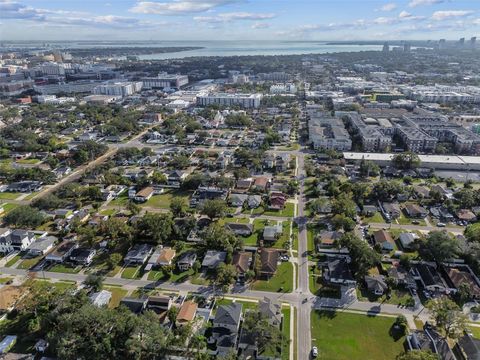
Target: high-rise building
{"points": [[473, 42], [441, 44], [386, 47], [406, 47], [461, 42]]}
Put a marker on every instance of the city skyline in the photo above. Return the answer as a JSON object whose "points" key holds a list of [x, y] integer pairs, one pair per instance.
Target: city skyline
{"points": [[238, 20]]}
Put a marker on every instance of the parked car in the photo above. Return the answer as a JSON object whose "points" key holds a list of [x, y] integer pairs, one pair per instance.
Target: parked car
{"points": [[440, 224], [314, 352]]}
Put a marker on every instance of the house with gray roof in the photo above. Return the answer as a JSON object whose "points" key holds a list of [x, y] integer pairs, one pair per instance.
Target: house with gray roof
{"points": [[213, 259]]}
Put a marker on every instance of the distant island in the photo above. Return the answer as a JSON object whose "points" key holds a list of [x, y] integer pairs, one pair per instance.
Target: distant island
{"points": [[124, 51]]}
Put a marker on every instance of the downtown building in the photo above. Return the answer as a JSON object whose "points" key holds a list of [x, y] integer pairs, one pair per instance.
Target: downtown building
{"points": [[120, 89], [165, 81], [247, 101]]}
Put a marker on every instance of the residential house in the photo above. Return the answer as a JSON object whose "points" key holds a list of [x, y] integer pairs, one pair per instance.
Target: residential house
{"points": [[226, 326], [383, 239], [337, 271], [466, 215], [213, 259], [429, 277], [407, 240], [277, 201], [268, 262], [82, 256], [27, 186], [429, 340], [204, 193], [240, 228], [41, 246], [176, 177], [469, 347], [166, 256], [242, 261], [376, 284], [369, 210], [62, 252], [97, 220], [327, 239], [254, 201], [135, 305], [81, 216], [159, 303], [186, 260], [421, 192], [144, 195], [269, 161], [244, 184], [138, 254], [391, 210], [416, 211], [272, 233], [187, 313], [282, 162], [15, 240], [272, 310], [261, 183], [101, 298], [237, 199], [457, 276]]}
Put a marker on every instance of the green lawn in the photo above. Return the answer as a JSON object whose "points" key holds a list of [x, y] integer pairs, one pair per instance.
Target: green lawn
{"points": [[284, 238], [403, 220], [5, 280], [258, 226], [117, 294], [108, 212], [163, 201], [28, 161], [286, 332], [397, 297], [13, 261], [132, 272], [345, 336], [317, 286], [28, 263], [175, 277], [60, 268], [122, 200], [288, 211], [475, 330], [282, 279], [9, 195], [246, 305], [7, 207], [31, 196], [376, 218], [60, 285]]}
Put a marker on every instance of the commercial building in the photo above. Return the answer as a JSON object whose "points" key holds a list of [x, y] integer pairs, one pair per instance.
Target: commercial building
{"points": [[325, 131], [68, 88], [244, 100], [164, 80], [118, 88]]}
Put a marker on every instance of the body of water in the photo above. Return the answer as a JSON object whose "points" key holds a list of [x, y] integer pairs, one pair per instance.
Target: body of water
{"points": [[245, 48]]}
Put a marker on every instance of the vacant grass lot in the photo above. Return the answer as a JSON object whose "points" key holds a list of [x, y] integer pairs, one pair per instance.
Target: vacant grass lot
{"points": [[281, 282], [28, 263], [132, 272], [117, 294], [9, 195], [163, 201], [345, 336], [288, 211], [60, 268]]}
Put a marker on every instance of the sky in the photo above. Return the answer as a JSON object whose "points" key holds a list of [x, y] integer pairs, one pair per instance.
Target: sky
{"points": [[238, 19]]}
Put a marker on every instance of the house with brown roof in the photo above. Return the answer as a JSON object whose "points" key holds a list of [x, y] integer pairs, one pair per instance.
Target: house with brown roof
{"points": [[457, 277], [416, 211], [144, 195], [261, 183], [166, 256], [187, 313], [268, 262], [466, 215], [384, 240], [242, 261]]}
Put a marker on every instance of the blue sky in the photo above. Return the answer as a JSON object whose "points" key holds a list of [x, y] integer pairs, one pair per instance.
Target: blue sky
{"points": [[238, 19]]}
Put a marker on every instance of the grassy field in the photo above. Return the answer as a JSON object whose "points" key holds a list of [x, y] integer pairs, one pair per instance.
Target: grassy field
{"points": [[60, 268], [288, 211], [345, 336], [28, 161], [5, 280], [131, 272], [163, 201], [397, 297], [28, 263], [117, 294], [376, 218], [282, 279], [9, 195], [7, 207], [13, 261]]}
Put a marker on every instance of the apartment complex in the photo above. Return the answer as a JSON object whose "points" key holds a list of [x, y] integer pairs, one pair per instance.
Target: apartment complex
{"points": [[244, 100], [165, 80], [325, 131]]}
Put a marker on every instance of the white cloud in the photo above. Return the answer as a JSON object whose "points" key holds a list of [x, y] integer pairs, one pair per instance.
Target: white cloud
{"points": [[388, 7], [260, 25], [178, 7], [450, 14], [476, 21], [225, 17], [415, 3]]}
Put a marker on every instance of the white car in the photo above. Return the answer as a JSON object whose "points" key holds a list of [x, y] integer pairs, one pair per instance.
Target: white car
{"points": [[441, 224], [314, 352]]}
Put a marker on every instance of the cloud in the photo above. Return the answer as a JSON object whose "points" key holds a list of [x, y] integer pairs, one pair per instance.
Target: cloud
{"points": [[450, 14], [225, 17], [388, 7], [260, 25], [15, 11], [415, 3], [178, 7]]}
